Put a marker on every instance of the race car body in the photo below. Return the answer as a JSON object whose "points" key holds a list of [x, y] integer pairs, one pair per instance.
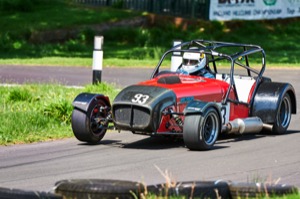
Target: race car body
{"points": [[194, 107]]}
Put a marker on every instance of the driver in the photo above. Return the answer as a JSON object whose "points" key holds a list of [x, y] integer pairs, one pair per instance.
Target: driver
{"points": [[195, 63]]}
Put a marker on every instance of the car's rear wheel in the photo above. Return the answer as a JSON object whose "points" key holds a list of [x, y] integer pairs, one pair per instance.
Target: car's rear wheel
{"points": [[90, 126], [283, 116], [200, 131]]}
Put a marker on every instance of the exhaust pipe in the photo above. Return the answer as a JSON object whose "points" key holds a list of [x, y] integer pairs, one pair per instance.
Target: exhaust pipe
{"points": [[246, 125], [268, 127]]}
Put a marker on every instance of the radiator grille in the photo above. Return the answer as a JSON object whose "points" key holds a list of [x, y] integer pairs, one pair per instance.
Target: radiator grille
{"points": [[141, 117], [122, 114], [134, 117]]}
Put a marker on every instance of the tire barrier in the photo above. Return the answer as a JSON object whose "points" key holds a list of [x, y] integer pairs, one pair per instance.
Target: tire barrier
{"points": [[192, 189], [254, 190], [94, 188], [97, 188], [6, 193], [198, 189]]}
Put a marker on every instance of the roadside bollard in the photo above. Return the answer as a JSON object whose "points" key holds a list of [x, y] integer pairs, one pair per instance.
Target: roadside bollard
{"points": [[97, 59]]}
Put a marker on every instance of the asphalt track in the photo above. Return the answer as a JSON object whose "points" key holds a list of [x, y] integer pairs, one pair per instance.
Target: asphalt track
{"points": [[72, 76], [124, 156]]}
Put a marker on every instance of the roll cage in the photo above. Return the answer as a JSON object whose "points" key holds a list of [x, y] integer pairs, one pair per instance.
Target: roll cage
{"points": [[234, 53]]}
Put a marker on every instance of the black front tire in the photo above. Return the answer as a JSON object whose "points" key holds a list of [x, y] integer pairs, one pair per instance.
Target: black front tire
{"points": [[200, 131], [283, 115], [88, 126]]}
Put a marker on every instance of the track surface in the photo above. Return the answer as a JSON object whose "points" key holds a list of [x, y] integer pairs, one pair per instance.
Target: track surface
{"points": [[73, 76], [125, 156]]}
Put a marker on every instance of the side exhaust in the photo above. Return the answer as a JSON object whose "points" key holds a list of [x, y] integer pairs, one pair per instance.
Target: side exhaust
{"points": [[246, 125]]}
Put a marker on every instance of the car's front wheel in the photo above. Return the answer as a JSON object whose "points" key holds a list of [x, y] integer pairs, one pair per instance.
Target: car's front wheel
{"points": [[200, 131], [90, 126]]}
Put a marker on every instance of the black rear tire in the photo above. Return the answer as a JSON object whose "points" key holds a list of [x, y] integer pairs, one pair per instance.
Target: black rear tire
{"points": [[86, 126], [283, 116], [200, 131]]}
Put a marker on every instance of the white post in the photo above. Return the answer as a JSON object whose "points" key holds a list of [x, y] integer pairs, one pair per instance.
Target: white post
{"points": [[176, 58], [97, 59]]}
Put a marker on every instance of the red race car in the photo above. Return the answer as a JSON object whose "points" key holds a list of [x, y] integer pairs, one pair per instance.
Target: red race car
{"points": [[210, 89]]}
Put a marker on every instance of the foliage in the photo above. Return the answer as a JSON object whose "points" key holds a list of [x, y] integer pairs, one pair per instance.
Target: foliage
{"points": [[118, 4], [17, 5], [21, 31]]}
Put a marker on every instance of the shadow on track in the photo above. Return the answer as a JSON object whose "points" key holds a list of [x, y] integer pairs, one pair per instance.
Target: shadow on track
{"points": [[154, 143], [227, 138]]}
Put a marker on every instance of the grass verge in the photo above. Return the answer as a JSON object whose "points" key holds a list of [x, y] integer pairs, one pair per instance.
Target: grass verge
{"points": [[78, 62], [32, 113]]}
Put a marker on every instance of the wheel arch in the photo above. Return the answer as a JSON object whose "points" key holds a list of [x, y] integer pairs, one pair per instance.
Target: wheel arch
{"points": [[83, 100], [199, 107], [293, 100], [199, 130], [267, 100]]}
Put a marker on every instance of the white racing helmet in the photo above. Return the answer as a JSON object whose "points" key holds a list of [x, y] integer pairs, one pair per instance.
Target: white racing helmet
{"points": [[193, 61]]}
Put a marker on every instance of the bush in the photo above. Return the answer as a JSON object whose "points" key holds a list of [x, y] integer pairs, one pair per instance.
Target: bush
{"points": [[17, 5], [22, 5], [118, 4]]}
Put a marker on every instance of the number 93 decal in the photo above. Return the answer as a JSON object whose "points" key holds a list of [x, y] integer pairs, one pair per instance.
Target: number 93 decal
{"points": [[140, 98]]}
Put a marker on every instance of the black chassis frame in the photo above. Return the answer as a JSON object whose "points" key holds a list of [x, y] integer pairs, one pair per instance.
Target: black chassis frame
{"points": [[210, 48], [265, 92]]}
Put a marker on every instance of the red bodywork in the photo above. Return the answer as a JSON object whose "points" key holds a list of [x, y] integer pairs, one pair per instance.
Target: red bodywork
{"points": [[198, 88]]}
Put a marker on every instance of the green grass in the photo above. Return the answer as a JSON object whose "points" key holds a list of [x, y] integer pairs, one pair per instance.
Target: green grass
{"points": [[32, 113], [78, 62], [288, 196], [54, 14], [142, 46], [18, 28]]}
